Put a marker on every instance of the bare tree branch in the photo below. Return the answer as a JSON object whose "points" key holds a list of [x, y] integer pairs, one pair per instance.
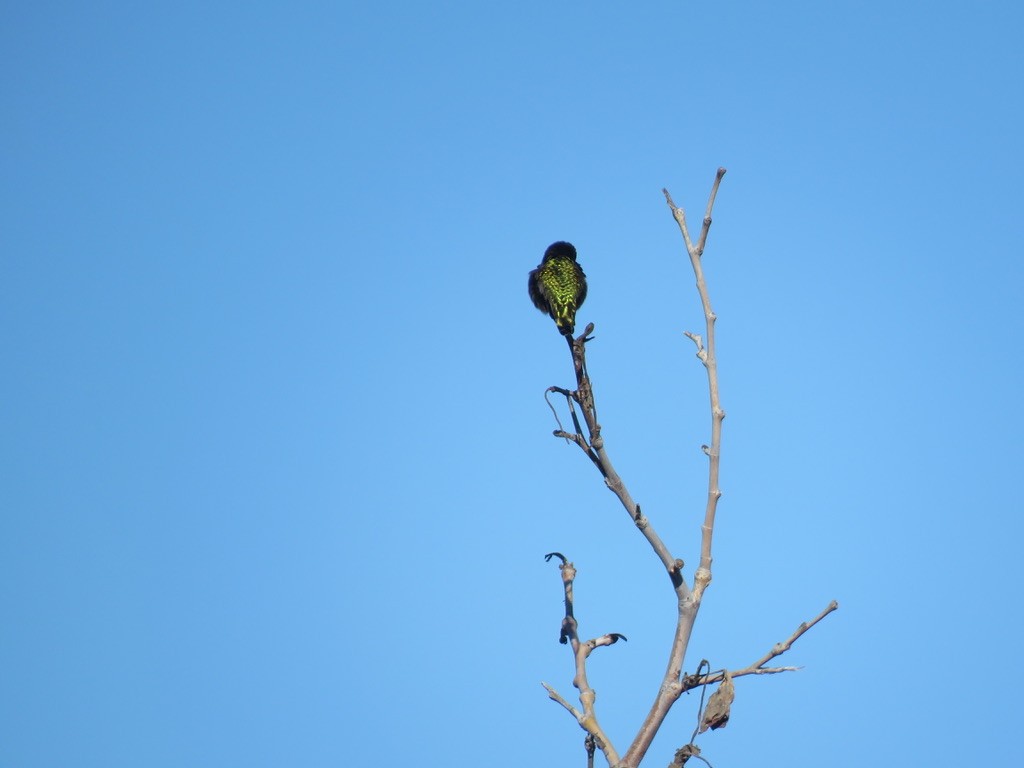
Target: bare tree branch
{"points": [[689, 600], [581, 650], [702, 577], [593, 445], [780, 648], [758, 667], [556, 696]]}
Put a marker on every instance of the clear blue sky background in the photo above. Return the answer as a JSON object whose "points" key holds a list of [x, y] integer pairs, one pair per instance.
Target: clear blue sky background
{"points": [[277, 473]]}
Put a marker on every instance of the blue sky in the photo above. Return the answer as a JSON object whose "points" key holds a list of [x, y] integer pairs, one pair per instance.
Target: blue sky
{"points": [[277, 474]]}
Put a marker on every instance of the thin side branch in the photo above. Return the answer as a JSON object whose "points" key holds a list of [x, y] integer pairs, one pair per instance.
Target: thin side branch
{"points": [[758, 667], [556, 696], [780, 648], [587, 719]]}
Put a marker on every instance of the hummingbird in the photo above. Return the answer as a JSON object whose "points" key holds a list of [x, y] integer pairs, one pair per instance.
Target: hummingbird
{"points": [[558, 286]]}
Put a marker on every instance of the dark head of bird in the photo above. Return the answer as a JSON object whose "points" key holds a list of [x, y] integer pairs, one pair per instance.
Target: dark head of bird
{"points": [[560, 250]]}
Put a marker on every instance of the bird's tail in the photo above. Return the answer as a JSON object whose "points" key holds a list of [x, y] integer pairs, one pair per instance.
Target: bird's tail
{"points": [[566, 322]]}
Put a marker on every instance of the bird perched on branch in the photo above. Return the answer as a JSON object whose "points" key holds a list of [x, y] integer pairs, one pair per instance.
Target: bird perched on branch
{"points": [[558, 286]]}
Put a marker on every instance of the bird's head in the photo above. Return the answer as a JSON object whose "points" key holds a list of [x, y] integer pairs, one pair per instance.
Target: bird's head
{"points": [[561, 249]]}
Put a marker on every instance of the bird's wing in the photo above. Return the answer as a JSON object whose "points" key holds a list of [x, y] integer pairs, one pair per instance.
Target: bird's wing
{"points": [[536, 293]]}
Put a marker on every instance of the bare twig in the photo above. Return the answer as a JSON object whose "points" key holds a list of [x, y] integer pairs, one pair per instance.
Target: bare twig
{"points": [[556, 696], [581, 650], [554, 411], [780, 648], [577, 436], [758, 667], [706, 354], [595, 449]]}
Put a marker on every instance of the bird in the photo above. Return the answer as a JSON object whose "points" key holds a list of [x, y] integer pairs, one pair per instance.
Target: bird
{"points": [[558, 286]]}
